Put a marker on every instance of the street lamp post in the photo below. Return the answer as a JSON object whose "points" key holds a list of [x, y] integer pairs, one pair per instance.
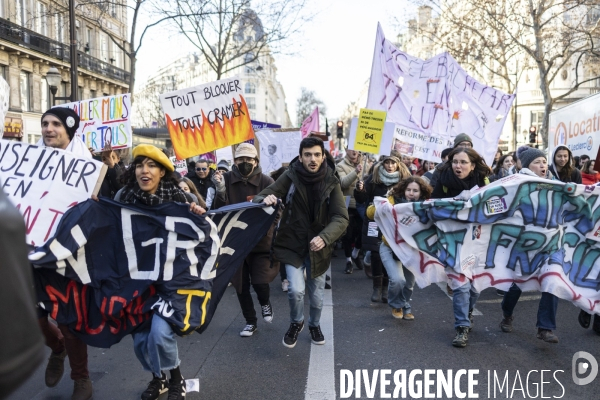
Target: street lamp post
{"points": [[54, 78]]}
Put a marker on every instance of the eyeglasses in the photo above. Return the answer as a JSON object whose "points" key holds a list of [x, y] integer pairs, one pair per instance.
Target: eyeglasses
{"points": [[461, 162], [201, 169]]}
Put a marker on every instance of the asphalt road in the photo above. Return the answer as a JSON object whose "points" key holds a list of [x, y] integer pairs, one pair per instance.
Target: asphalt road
{"points": [[365, 337]]}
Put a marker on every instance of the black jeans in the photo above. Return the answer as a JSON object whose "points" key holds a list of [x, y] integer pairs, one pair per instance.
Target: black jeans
{"points": [[377, 266], [245, 298], [353, 232]]}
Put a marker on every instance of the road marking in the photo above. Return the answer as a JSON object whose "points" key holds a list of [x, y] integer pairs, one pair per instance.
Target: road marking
{"points": [[320, 383]]}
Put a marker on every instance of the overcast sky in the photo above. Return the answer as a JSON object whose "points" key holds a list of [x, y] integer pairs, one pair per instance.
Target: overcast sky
{"points": [[335, 58]]}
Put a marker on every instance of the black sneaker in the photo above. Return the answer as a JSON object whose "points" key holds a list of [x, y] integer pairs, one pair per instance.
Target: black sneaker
{"points": [[349, 267], [248, 330], [291, 336], [267, 312], [462, 337], [176, 389], [316, 335], [156, 387]]}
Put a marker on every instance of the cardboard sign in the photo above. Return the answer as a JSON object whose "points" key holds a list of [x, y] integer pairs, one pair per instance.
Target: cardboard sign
{"points": [[385, 144], [277, 146], [104, 122], [43, 183], [180, 165], [369, 132], [206, 117]]}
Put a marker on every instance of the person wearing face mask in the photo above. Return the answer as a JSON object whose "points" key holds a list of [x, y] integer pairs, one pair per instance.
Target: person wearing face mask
{"points": [[464, 170], [242, 183], [534, 163]]}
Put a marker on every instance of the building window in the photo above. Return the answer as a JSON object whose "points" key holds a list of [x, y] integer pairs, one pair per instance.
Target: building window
{"points": [[3, 72], [89, 40], [250, 88], [25, 88], [117, 56], [59, 28], [2, 5], [92, 94], [104, 47], [251, 103], [45, 94], [537, 118], [42, 16]]}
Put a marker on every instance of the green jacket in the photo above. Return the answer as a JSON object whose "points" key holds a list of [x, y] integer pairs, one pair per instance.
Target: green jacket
{"points": [[296, 230]]}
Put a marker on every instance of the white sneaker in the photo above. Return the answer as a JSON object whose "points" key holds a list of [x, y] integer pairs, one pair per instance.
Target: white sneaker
{"points": [[267, 312], [285, 285], [248, 331]]}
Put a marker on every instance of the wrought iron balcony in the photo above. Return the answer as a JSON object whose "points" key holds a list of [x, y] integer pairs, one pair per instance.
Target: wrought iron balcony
{"points": [[32, 40]]}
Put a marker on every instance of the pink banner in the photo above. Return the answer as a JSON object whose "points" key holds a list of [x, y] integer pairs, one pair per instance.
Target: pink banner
{"points": [[311, 123]]}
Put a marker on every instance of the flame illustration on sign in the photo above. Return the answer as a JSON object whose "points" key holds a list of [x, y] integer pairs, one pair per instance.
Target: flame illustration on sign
{"points": [[194, 140]]}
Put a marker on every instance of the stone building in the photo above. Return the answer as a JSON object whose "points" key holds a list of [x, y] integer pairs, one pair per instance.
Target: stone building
{"points": [[34, 36]]}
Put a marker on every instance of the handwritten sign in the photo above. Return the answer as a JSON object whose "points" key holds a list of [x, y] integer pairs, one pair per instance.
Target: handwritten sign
{"points": [[206, 117], [432, 101], [43, 183], [369, 131], [105, 121], [385, 144], [180, 165]]}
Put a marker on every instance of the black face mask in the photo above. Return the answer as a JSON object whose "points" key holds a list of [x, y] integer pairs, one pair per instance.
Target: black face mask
{"points": [[245, 168]]}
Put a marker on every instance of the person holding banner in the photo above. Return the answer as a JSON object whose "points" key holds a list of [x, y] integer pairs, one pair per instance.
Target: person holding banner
{"points": [[462, 140], [563, 166], [241, 184], [385, 175], [348, 170], [315, 217], [150, 181], [464, 170], [401, 280], [534, 163], [59, 125], [503, 168]]}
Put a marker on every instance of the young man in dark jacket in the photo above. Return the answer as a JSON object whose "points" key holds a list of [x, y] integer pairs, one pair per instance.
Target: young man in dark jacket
{"points": [[315, 216], [241, 184]]}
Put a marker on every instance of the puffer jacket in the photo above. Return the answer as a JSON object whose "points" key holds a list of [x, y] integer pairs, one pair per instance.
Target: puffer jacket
{"points": [[348, 178], [296, 230]]}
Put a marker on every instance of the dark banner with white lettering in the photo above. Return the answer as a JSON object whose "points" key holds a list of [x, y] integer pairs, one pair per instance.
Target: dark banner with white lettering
{"points": [[111, 265]]}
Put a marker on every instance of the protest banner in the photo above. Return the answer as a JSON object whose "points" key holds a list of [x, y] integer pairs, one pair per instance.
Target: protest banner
{"points": [[540, 234], [105, 121], [277, 146], [4, 97], [369, 132], [386, 139], [206, 117], [180, 165], [431, 101], [43, 183], [111, 265]]}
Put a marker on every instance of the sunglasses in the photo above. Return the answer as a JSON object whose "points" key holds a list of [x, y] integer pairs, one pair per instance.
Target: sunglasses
{"points": [[201, 169]]}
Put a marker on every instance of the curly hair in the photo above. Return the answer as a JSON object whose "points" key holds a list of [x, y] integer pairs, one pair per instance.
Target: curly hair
{"points": [[400, 188], [128, 178], [480, 166]]}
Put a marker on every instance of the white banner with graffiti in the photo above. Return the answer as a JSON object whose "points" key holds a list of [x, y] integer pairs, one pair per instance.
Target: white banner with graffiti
{"points": [[543, 235], [431, 101]]}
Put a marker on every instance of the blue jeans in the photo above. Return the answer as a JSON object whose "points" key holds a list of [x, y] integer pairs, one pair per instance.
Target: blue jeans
{"points": [[156, 348], [463, 301], [546, 316], [316, 290], [402, 281]]}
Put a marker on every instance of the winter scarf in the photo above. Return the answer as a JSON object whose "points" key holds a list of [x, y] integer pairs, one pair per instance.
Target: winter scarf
{"points": [[314, 183], [165, 193], [449, 179], [388, 178]]}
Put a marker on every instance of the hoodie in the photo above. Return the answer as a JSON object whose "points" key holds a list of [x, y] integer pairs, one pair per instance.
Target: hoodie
{"points": [[575, 175]]}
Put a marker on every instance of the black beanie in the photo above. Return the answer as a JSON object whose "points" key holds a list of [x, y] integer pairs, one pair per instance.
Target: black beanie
{"points": [[68, 117]]}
